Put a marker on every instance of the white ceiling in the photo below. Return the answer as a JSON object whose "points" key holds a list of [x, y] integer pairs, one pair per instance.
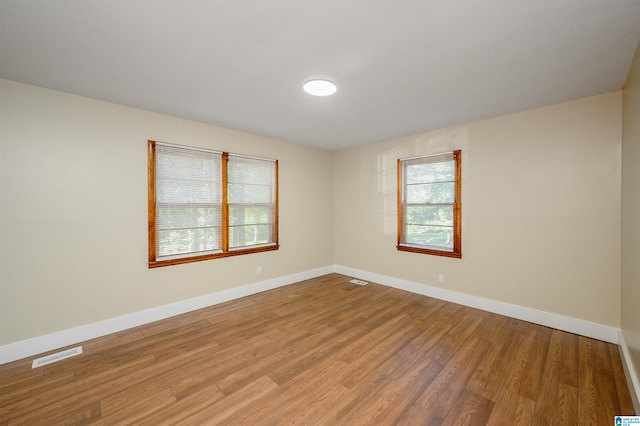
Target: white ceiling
{"points": [[401, 66]]}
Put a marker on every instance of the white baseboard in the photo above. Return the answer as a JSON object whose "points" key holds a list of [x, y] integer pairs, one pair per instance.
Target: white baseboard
{"points": [[572, 325], [38, 345], [630, 373]]}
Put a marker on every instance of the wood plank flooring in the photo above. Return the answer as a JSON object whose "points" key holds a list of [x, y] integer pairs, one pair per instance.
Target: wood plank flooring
{"points": [[326, 351]]}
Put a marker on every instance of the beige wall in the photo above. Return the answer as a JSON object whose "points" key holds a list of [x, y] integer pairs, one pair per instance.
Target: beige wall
{"points": [[630, 311], [73, 212], [541, 209], [541, 220]]}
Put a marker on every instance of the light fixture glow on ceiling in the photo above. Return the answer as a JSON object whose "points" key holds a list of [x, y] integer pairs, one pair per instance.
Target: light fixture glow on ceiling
{"points": [[320, 87]]}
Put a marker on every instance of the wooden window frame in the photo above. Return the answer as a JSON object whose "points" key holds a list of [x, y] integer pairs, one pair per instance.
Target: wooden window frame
{"points": [[457, 213], [225, 251]]}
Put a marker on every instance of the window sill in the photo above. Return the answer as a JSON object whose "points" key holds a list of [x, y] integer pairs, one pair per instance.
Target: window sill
{"points": [[191, 259], [453, 254]]}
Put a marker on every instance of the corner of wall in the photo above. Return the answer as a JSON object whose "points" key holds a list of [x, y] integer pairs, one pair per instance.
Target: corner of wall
{"points": [[630, 373]]}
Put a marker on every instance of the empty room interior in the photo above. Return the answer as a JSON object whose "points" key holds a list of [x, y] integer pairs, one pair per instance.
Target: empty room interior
{"points": [[329, 303]]}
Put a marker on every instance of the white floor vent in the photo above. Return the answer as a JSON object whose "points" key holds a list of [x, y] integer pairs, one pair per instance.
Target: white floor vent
{"points": [[359, 282], [56, 357]]}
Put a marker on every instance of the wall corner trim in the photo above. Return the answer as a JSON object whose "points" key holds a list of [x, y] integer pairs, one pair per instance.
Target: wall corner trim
{"points": [[630, 373], [37, 345]]}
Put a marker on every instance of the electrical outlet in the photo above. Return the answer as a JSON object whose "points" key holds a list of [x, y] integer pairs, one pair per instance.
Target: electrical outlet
{"points": [[259, 270], [441, 278]]}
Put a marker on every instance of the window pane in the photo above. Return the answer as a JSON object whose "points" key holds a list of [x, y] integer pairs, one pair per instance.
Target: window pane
{"points": [[431, 193], [249, 193], [185, 191], [249, 170], [177, 217], [430, 215], [251, 197], [242, 215], [188, 195], [181, 241], [430, 172], [436, 236], [249, 235], [183, 164]]}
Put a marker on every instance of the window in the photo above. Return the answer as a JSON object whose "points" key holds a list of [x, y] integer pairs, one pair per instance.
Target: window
{"points": [[429, 207], [206, 204]]}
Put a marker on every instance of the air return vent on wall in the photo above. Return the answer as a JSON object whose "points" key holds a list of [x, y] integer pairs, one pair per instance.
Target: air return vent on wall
{"points": [[56, 357]]}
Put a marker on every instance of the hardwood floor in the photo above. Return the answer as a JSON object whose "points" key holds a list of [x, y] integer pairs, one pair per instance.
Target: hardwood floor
{"points": [[326, 351]]}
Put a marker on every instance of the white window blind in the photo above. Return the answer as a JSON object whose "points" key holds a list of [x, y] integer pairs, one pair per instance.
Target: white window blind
{"points": [[251, 194], [188, 195]]}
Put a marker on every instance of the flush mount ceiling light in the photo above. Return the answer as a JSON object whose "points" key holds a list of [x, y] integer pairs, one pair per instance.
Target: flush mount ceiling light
{"points": [[319, 87]]}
